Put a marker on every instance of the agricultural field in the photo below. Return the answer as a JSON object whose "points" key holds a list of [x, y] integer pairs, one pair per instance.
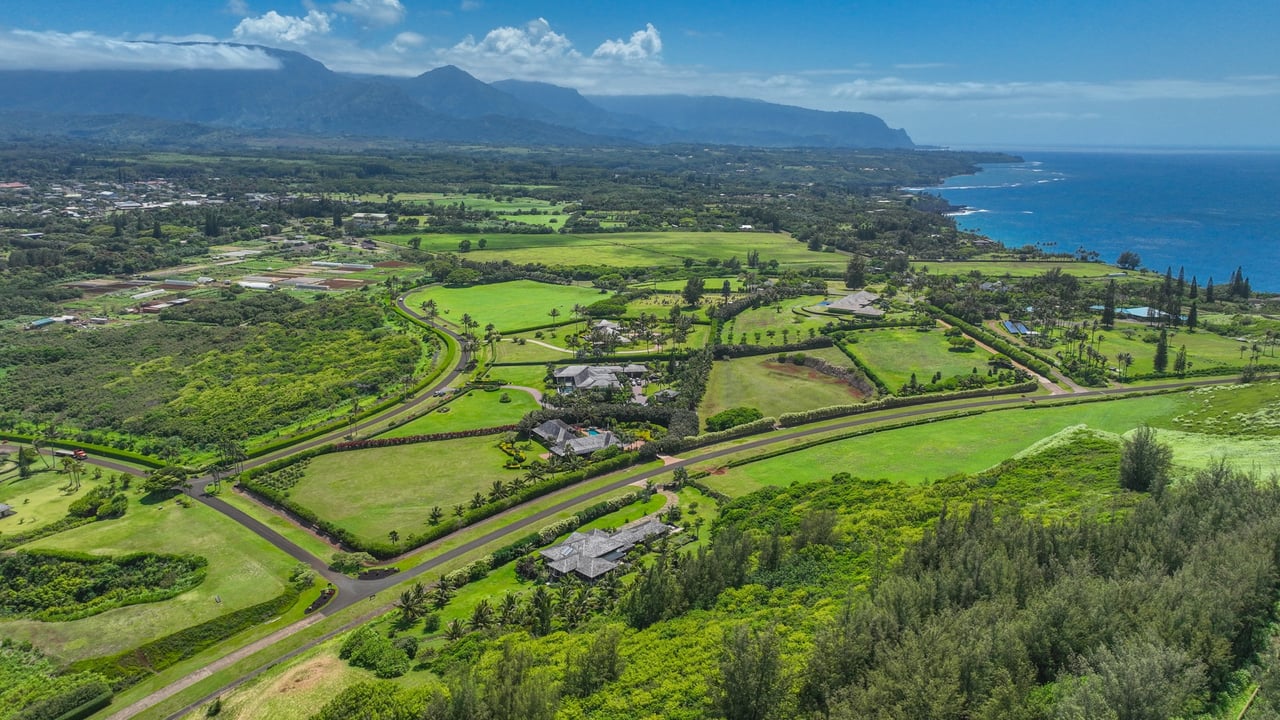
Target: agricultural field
{"points": [[894, 354], [243, 570], [476, 409], [1016, 268], [774, 388], [508, 306], [934, 450], [375, 491], [638, 249]]}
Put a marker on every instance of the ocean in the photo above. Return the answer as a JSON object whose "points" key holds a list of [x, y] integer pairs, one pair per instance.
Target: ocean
{"points": [[1208, 212]]}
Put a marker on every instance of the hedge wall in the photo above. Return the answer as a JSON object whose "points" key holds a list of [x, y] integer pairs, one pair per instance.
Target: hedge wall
{"points": [[722, 352], [412, 439], [711, 438], [835, 411], [103, 450]]}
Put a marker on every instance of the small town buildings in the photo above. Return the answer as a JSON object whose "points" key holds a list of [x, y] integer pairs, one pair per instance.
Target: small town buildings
{"points": [[591, 555], [861, 303]]}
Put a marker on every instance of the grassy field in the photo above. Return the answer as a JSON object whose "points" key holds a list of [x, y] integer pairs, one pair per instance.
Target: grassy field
{"points": [[934, 450], [777, 317], [522, 375], [712, 283], [761, 382], [894, 354], [1204, 350], [1234, 410], [476, 409], [243, 570], [1016, 268], [637, 249], [37, 500], [508, 306], [372, 492]]}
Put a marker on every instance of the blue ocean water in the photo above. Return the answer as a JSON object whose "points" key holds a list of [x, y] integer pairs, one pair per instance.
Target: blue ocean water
{"points": [[1206, 211]]}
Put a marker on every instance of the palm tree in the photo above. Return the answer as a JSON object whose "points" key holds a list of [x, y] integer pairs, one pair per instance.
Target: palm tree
{"points": [[509, 610], [481, 615], [454, 630], [497, 491]]}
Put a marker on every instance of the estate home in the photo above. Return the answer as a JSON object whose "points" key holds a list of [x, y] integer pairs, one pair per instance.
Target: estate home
{"points": [[593, 554], [861, 303], [563, 440], [593, 377]]}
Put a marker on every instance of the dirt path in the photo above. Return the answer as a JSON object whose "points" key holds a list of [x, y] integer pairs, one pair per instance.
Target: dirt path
{"points": [[537, 394]]}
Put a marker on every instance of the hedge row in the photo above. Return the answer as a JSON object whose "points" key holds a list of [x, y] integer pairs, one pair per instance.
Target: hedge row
{"points": [[103, 450], [1200, 372], [412, 439], [881, 388], [853, 434], [711, 438], [1015, 353], [132, 666], [79, 702], [707, 490], [722, 352], [13, 540], [889, 403]]}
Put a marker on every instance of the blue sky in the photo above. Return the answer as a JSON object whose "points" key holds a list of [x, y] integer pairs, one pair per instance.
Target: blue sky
{"points": [[954, 72]]}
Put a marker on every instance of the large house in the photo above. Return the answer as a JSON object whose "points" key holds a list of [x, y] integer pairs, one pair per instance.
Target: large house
{"points": [[592, 377], [563, 440], [861, 303], [592, 554]]}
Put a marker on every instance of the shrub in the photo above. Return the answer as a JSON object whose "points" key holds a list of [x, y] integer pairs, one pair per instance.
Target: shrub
{"points": [[368, 649], [732, 418]]}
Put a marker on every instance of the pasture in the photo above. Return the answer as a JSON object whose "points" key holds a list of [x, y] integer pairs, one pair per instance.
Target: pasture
{"points": [[476, 409], [1016, 268], [938, 449], [774, 388], [893, 354], [508, 306]]}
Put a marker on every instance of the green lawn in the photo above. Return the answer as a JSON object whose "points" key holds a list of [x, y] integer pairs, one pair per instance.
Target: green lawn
{"points": [[243, 570], [508, 306], [712, 284], [636, 249], [37, 500], [1015, 268], [523, 375], [372, 492], [894, 354], [935, 450], [1204, 350], [476, 409], [761, 382], [777, 317]]}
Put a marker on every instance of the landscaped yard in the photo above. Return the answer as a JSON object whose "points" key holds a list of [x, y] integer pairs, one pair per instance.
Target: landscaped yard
{"points": [[373, 492], [243, 570], [893, 354], [476, 409], [39, 499], [774, 388], [757, 322], [934, 450], [508, 306]]}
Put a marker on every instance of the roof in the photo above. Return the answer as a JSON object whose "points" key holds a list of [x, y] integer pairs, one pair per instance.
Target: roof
{"points": [[5, 508], [592, 554], [586, 377], [859, 303], [635, 368], [555, 431], [587, 444]]}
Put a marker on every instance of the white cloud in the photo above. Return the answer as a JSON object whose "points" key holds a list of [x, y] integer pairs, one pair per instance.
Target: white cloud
{"points": [[535, 42], [644, 44], [892, 89], [31, 50], [238, 7], [372, 12], [406, 41], [469, 5], [276, 28]]}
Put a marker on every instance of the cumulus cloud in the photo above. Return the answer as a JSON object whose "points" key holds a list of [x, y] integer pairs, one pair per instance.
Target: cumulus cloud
{"points": [[238, 7], [276, 28], [535, 42], [406, 41], [31, 50], [643, 45], [372, 12], [892, 89]]}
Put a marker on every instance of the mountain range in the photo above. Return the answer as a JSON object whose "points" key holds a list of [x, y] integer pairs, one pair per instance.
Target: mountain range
{"points": [[445, 104]]}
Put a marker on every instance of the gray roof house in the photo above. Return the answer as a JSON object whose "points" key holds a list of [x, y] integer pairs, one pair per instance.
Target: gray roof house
{"points": [[594, 553], [861, 303], [564, 440], [5, 510], [590, 377], [555, 432]]}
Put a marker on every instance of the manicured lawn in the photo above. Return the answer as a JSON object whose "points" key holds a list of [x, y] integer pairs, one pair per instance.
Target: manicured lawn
{"points": [[1204, 349], [776, 317], [1015, 268], [243, 570], [508, 306], [37, 500], [934, 450], [476, 409], [773, 388], [894, 354], [372, 492], [638, 249], [522, 375]]}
